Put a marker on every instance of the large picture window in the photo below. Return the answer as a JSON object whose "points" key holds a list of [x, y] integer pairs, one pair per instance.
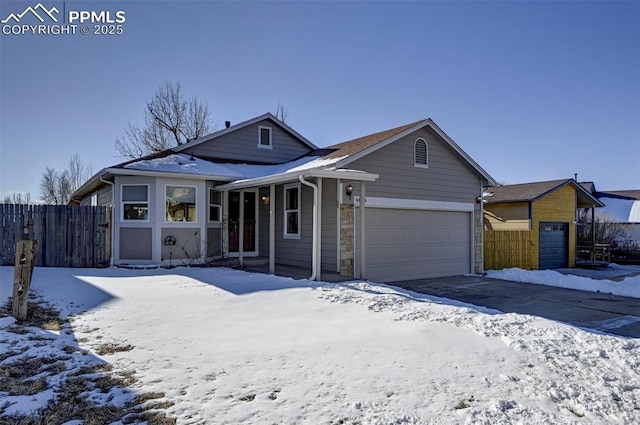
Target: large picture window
{"points": [[292, 211], [180, 203], [135, 202]]}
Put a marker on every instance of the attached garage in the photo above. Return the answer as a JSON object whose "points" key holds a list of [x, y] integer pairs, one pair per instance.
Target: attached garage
{"points": [[554, 239], [403, 244]]}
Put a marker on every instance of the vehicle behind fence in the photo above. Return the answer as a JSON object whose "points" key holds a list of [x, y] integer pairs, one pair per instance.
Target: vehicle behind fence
{"points": [[68, 236]]}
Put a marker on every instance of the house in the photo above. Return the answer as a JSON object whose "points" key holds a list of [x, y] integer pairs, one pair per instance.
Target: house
{"points": [[546, 211], [623, 207], [399, 204]]}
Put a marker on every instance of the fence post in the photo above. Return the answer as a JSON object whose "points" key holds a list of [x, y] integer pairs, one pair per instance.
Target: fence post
{"points": [[25, 260]]}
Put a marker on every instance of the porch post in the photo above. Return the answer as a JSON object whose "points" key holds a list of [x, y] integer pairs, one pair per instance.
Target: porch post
{"points": [[593, 234], [319, 230], [241, 230], [225, 225], [362, 235], [338, 222], [272, 229]]}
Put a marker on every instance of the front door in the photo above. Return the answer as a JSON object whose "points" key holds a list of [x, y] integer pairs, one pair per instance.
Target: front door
{"points": [[249, 223]]}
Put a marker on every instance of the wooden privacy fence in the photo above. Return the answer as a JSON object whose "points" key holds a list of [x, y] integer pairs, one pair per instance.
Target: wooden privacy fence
{"points": [[68, 236], [507, 248]]}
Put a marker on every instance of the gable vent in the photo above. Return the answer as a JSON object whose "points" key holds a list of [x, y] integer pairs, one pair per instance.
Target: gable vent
{"points": [[421, 153]]}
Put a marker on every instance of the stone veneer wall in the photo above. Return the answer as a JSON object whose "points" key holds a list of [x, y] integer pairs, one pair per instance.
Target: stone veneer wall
{"points": [[346, 239]]}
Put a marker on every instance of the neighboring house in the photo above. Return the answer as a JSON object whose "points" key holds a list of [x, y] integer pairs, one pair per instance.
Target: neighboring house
{"points": [[259, 188], [547, 210], [620, 206]]}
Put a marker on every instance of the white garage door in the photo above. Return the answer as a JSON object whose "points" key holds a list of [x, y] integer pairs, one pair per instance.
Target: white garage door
{"points": [[412, 244]]}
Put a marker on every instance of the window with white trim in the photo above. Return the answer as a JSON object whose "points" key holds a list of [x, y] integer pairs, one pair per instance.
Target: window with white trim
{"points": [[180, 203], [215, 206], [264, 137], [292, 211], [135, 202], [421, 153]]}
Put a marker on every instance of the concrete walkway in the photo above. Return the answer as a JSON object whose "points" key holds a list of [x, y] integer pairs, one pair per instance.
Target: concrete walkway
{"points": [[592, 310]]}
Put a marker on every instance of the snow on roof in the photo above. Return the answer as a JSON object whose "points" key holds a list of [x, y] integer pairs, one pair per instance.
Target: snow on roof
{"points": [[621, 210], [184, 164]]}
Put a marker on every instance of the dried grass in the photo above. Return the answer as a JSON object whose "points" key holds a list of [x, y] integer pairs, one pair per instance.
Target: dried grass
{"points": [[111, 348], [27, 375]]}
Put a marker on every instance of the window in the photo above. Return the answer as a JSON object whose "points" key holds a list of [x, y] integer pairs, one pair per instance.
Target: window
{"points": [[292, 212], [180, 203], [421, 153], [135, 202], [264, 137], [214, 206]]}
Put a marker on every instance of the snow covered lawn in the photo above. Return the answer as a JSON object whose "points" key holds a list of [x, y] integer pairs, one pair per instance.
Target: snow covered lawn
{"points": [[229, 347]]}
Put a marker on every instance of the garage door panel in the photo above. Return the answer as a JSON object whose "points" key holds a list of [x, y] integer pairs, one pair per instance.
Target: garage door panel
{"points": [[411, 244]]}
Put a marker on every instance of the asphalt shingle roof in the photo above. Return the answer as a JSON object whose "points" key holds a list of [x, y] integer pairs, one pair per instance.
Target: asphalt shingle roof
{"points": [[635, 194], [354, 146], [521, 192]]}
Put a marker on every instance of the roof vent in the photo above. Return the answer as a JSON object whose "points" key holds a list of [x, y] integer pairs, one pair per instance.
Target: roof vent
{"points": [[227, 124]]}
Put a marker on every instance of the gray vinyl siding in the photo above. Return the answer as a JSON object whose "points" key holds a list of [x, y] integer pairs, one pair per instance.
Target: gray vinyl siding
{"points": [[86, 201], [329, 225], [242, 145], [105, 196], [448, 177], [297, 252]]}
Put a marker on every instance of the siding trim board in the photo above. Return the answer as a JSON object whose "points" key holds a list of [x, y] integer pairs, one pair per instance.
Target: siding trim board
{"points": [[415, 204]]}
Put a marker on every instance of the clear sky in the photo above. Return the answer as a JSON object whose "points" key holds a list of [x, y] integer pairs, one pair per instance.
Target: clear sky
{"points": [[531, 90]]}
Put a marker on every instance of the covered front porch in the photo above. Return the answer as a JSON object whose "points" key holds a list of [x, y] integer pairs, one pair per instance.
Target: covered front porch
{"points": [[301, 223]]}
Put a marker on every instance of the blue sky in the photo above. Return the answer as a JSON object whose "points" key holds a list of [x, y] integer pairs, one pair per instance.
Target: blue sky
{"points": [[531, 90]]}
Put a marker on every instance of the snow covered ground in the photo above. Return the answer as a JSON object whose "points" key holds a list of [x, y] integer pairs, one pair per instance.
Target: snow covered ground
{"points": [[628, 287], [230, 347]]}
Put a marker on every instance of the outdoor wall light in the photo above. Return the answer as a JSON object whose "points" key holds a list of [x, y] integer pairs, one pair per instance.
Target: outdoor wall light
{"points": [[265, 199], [349, 191]]}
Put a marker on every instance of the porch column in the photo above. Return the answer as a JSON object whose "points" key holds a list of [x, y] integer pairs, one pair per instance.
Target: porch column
{"points": [[272, 229], [241, 230], [225, 225], [362, 235], [338, 222], [593, 225], [319, 230]]}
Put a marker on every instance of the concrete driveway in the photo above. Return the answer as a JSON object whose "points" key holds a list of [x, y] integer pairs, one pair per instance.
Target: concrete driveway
{"points": [[593, 310]]}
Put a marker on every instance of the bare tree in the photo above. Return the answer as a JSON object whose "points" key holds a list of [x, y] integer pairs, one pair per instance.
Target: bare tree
{"points": [[56, 187], [607, 229], [170, 120], [281, 113], [18, 198]]}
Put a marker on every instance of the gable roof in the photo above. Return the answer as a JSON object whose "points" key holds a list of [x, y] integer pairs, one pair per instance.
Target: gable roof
{"points": [[267, 116], [589, 186], [530, 192], [347, 152]]}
